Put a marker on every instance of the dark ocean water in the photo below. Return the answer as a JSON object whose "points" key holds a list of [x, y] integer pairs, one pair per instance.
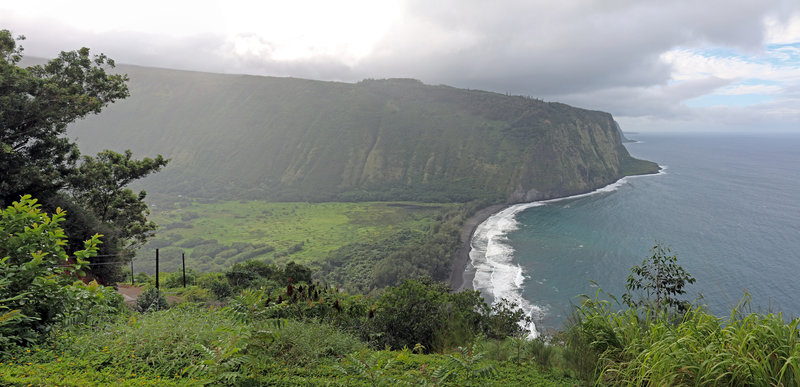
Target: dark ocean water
{"points": [[727, 205]]}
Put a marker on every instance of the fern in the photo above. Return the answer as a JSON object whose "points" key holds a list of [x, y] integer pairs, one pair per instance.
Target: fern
{"points": [[9, 317], [464, 365], [373, 369]]}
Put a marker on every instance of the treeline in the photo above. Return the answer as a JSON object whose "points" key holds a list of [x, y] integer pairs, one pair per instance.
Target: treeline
{"points": [[365, 267], [462, 191]]}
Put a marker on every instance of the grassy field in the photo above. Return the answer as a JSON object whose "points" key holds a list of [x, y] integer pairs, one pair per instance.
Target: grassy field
{"points": [[231, 231]]}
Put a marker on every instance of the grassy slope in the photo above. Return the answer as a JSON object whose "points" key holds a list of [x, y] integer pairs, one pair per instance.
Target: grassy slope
{"points": [[320, 227], [132, 352], [76, 371]]}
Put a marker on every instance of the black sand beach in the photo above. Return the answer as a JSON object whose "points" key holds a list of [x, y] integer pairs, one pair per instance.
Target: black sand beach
{"points": [[457, 276]]}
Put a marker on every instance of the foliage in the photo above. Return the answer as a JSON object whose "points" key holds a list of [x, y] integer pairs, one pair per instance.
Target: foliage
{"points": [[702, 349], [352, 266], [255, 273], [163, 343], [296, 273], [302, 343], [175, 279], [36, 158], [225, 233], [36, 274], [245, 344], [425, 312], [37, 104], [151, 300], [507, 319], [372, 265], [660, 277], [89, 305], [195, 294], [375, 369], [410, 314], [98, 183], [217, 284], [465, 364]]}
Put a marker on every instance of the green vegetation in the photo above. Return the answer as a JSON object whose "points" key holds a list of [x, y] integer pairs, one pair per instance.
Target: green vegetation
{"points": [[628, 348], [36, 158], [660, 277], [265, 324], [285, 139], [39, 293], [214, 236], [269, 315]]}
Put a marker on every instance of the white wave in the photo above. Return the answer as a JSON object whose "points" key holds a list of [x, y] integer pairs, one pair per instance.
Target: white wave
{"points": [[492, 258]]}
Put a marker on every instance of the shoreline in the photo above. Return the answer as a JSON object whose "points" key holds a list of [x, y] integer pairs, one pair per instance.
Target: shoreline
{"points": [[458, 273]]}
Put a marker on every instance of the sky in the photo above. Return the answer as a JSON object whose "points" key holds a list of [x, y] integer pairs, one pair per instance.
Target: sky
{"points": [[677, 65]]}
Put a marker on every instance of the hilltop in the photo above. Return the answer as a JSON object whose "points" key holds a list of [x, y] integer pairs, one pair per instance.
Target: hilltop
{"points": [[268, 138]]}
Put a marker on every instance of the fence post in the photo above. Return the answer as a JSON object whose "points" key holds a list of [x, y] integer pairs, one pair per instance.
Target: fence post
{"points": [[157, 269], [132, 284], [183, 262]]}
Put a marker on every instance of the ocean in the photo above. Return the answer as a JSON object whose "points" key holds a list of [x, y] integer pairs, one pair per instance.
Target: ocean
{"points": [[727, 205]]}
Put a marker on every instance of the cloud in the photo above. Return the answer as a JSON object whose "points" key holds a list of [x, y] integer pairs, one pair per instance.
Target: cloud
{"points": [[633, 58]]}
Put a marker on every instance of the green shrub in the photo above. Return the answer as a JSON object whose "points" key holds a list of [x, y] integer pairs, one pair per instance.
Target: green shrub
{"points": [[36, 274], [90, 304], [195, 294], [425, 312], [298, 273], [221, 289], [216, 283], [243, 275], [151, 300], [175, 279], [299, 343], [144, 279]]}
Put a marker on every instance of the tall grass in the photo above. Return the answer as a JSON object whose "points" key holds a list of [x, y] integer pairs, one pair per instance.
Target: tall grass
{"points": [[636, 348], [162, 343]]}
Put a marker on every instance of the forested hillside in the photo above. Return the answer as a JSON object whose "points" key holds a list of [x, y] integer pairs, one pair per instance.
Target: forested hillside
{"points": [[253, 137]]}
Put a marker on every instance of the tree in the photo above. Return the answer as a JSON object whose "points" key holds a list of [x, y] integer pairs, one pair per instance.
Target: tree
{"points": [[36, 158], [423, 311], [659, 277], [37, 275], [36, 105], [410, 314], [98, 184]]}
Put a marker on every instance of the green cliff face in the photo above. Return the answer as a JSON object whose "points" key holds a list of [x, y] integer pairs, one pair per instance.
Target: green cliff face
{"points": [[293, 139]]}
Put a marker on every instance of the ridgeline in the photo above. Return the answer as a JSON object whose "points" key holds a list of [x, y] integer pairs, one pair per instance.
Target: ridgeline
{"points": [[287, 139]]}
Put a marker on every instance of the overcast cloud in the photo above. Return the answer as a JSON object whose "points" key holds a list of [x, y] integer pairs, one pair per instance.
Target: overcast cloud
{"points": [[667, 65]]}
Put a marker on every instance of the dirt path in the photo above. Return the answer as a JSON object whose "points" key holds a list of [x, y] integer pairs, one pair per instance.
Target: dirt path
{"points": [[129, 292]]}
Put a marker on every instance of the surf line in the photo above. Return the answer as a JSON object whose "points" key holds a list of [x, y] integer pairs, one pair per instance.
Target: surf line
{"points": [[496, 273]]}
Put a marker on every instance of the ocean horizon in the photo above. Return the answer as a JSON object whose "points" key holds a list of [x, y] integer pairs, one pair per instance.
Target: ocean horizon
{"points": [[726, 204]]}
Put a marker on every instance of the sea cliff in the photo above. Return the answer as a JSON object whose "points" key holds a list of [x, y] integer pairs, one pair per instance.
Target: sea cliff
{"points": [[251, 137]]}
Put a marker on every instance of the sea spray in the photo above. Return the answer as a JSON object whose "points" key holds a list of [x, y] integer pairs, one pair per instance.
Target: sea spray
{"points": [[497, 275]]}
